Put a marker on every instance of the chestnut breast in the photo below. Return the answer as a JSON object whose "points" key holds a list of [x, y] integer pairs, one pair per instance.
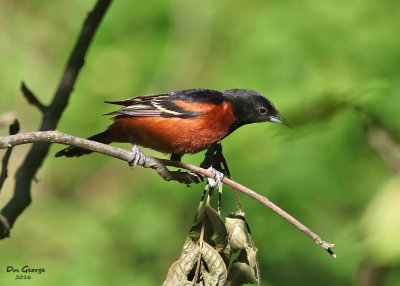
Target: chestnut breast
{"points": [[177, 135]]}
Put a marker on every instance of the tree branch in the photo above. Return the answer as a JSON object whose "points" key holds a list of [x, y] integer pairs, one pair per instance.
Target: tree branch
{"points": [[159, 165], [31, 98], [34, 159], [14, 129]]}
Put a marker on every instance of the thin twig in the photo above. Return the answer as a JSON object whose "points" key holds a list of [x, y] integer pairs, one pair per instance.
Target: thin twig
{"points": [[201, 203], [32, 99], [35, 157], [157, 164], [240, 206], [327, 246], [14, 129], [201, 240]]}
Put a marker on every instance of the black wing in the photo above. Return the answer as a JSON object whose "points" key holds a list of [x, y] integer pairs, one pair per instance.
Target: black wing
{"points": [[162, 105]]}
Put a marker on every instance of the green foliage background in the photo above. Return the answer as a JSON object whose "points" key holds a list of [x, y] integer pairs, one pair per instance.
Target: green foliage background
{"points": [[93, 221]]}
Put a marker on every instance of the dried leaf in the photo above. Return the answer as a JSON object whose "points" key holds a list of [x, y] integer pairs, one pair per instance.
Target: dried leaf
{"points": [[195, 229], [219, 235], [217, 272], [237, 237], [252, 256], [215, 232], [241, 272], [226, 255], [179, 270]]}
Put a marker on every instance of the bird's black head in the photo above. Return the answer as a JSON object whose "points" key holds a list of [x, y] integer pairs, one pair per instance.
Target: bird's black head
{"points": [[250, 106]]}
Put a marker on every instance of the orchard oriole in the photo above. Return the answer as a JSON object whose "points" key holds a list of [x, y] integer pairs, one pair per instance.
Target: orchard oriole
{"points": [[181, 122]]}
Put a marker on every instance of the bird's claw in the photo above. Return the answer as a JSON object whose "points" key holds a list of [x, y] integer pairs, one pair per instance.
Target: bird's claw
{"points": [[196, 178], [217, 180], [138, 155]]}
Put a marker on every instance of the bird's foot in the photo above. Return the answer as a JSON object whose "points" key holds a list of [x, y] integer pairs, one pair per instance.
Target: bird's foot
{"points": [[196, 178], [217, 180], [138, 155]]}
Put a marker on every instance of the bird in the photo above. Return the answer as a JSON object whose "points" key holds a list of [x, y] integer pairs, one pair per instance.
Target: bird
{"points": [[182, 122]]}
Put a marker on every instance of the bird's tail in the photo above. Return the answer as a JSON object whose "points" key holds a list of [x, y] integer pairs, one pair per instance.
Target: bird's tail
{"points": [[103, 137]]}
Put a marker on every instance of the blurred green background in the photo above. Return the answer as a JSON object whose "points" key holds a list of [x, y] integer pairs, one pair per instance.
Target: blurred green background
{"points": [[93, 221]]}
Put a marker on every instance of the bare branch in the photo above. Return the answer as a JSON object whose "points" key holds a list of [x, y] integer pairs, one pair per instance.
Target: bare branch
{"points": [[327, 246], [14, 129], [158, 165], [4, 225], [31, 98], [34, 159]]}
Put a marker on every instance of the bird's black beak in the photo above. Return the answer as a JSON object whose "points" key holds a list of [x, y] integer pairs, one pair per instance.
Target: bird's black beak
{"points": [[279, 119]]}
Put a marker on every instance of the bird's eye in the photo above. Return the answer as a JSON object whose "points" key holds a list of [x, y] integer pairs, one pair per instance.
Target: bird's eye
{"points": [[262, 109]]}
